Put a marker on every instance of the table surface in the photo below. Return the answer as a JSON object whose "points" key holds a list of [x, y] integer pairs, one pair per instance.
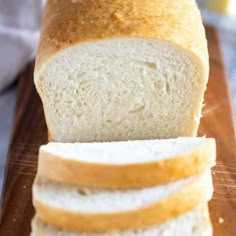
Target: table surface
{"points": [[8, 98]]}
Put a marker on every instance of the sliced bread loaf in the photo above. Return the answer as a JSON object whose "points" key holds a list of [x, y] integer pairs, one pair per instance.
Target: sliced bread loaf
{"points": [[92, 210], [193, 223], [126, 164], [121, 69]]}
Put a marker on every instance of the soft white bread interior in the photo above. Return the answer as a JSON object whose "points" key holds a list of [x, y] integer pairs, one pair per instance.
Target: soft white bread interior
{"points": [[121, 69], [193, 223], [88, 209], [119, 164]]}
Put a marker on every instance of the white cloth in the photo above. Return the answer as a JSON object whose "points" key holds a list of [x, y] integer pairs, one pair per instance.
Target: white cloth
{"points": [[19, 32], [226, 26]]}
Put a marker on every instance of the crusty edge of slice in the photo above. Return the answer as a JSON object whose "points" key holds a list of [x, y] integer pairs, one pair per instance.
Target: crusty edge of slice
{"points": [[127, 176], [207, 230], [195, 193]]}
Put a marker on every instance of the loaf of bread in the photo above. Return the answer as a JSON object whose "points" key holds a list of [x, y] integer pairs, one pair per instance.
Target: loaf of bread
{"points": [[86, 209], [193, 223], [126, 164], [121, 69]]}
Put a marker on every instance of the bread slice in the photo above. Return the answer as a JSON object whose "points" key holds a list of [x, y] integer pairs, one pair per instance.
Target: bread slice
{"points": [[193, 223], [92, 210], [122, 69], [119, 164]]}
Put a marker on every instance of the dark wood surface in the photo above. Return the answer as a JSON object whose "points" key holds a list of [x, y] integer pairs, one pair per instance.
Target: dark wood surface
{"points": [[29, 132], [218, 122]]}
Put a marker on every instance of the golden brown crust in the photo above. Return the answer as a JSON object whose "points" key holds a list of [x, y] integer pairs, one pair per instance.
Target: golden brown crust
{"points": [[188, 198], [67, 23], [127, 176]]}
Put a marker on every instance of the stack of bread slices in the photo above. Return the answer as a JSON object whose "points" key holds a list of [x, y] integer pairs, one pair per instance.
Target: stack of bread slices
{"points": [[122, 84], [153, 187]]}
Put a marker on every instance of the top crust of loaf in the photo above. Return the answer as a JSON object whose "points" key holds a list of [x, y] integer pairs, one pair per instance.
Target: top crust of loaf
{"points": [[67, 23]]}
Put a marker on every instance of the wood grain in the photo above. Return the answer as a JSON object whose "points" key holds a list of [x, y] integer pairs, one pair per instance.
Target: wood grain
{"points": [[29, 132], [218, 122]]}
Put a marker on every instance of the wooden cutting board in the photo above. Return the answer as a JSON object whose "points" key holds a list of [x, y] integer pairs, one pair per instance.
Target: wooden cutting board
{"points": [[29, 132]]}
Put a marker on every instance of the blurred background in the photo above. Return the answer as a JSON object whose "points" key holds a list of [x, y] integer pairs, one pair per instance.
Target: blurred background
{"points": [[19, 32]]}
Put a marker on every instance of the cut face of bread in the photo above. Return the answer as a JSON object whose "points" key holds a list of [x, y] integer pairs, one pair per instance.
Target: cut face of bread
{"points": [[122, 89], [93, 210], [193, 223], [127, 152], [119, 164]]}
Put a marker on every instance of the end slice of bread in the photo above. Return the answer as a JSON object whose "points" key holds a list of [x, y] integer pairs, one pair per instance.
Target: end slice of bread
{"points": [[119, 164], [88, 209], [193, 223]]}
